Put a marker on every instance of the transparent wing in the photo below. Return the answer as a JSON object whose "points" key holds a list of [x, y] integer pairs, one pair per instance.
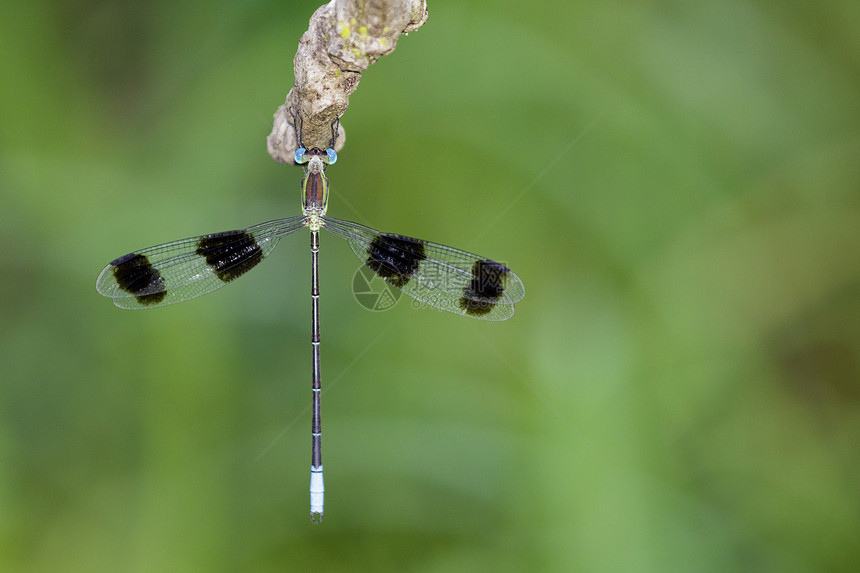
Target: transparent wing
{"points": [[442, 277], [188, 268]]}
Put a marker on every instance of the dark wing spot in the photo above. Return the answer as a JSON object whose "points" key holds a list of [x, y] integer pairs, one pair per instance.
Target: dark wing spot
{"points": [[135, 275], [485, 289], [395, 258], [231, 254]]}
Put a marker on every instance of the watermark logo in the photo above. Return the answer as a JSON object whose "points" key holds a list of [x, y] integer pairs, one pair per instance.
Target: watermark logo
{"points": [[372, 292]]}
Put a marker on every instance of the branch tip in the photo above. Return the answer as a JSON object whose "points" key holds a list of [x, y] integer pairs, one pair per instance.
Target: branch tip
{"points": [[344, 38]]}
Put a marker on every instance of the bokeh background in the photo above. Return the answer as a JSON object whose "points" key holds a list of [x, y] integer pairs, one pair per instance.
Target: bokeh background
{"points": [[675, 182]]}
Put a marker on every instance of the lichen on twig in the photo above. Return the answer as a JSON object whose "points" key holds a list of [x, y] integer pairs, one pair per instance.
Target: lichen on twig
{"points": [[344, 38]]}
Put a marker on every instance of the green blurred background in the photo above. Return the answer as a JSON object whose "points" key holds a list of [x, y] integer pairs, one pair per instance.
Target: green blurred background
{"points": [[675, 182]]}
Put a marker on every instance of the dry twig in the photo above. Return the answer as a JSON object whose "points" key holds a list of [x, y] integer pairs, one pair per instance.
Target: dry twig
{"points": [[344, 38]]}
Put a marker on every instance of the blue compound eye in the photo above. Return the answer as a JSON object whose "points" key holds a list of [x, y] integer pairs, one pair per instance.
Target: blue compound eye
{"points": [[299, 157], [332, 156]]}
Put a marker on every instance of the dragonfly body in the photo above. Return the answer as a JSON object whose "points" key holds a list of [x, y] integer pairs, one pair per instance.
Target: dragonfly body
{"points": [[442, 277]]}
